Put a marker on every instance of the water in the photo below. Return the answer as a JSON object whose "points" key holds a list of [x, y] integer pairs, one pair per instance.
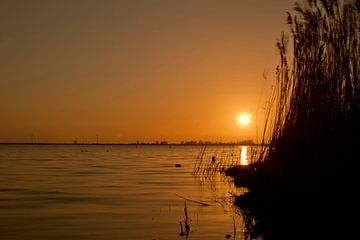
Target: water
{"points": [[110, 192]]}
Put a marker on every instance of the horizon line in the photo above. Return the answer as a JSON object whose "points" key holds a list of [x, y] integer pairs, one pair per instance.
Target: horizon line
{"points": [[199, 143]]}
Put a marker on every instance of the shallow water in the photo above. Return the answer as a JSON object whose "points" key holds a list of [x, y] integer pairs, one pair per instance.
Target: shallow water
{"points": [[110, 192]]}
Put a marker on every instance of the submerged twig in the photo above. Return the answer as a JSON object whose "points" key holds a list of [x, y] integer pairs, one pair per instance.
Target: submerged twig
{"points": [[234, 228], [194, 201], [182, 233], [220, 203], [186, 223], [187, 226]]}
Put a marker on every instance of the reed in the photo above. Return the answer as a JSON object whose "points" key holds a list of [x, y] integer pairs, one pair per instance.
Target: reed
{"points": [[213, 160], [312, 127], [186, 224], [315, 113]]}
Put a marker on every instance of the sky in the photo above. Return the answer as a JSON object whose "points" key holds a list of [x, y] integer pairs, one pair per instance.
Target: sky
{"points": [[136, 70]]}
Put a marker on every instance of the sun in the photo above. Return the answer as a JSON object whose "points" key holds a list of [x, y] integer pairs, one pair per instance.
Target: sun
{"points": [[244, 119]]}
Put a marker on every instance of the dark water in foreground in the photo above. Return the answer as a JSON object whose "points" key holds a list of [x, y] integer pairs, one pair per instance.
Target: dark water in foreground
{"points": [[109, 192]]}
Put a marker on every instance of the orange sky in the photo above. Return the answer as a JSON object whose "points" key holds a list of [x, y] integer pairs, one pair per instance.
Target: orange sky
{"points": [[135, 70]]}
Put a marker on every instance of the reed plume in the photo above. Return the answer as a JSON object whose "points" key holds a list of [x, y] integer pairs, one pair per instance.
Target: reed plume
{"points": [[312, 129], [315, 111]]}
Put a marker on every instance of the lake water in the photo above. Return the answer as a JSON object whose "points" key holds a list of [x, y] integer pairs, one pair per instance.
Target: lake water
{"points": [[111, 192]]}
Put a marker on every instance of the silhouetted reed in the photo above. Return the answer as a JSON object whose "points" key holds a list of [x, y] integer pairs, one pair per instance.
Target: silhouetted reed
{"points": [[213, 160], [186, 224], [315, 108], [217, 159], [312, 126]]}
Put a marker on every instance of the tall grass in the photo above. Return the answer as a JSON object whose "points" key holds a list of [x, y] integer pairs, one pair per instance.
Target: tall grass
{"points": [[307, 177], [314, 115]]}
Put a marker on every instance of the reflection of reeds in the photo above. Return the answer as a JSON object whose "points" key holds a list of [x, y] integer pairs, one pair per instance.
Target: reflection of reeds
{"points": [[199, 160]]}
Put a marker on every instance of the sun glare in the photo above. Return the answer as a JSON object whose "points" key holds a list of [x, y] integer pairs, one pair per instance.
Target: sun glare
{"points": [[244, 160], [244, 119]]}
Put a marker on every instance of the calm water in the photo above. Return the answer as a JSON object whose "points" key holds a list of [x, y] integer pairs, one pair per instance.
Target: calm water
{"points": [[109, 192]]}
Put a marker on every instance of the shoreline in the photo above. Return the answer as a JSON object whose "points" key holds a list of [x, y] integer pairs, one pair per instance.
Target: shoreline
{"points": [[135, 144]]}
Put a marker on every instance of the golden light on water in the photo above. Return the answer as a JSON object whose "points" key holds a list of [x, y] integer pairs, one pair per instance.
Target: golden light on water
{"points": [[244, 160], [244, 119]]}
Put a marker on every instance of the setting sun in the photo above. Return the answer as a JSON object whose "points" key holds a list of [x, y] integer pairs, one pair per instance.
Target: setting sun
{"points": [[244, 119]]}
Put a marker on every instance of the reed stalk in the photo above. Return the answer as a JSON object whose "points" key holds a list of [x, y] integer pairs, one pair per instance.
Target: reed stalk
{"points": [[312, 129], [314, 116]]}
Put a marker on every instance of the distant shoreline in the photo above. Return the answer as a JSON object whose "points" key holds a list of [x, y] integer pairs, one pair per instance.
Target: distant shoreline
{"points": [[134, 144]]}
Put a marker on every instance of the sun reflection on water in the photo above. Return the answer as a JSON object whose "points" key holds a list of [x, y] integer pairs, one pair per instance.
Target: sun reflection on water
{"points": [[244, 160]]}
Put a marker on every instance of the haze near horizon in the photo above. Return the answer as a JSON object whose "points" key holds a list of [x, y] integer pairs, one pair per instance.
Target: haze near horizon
{"points": [[136, 70]]}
